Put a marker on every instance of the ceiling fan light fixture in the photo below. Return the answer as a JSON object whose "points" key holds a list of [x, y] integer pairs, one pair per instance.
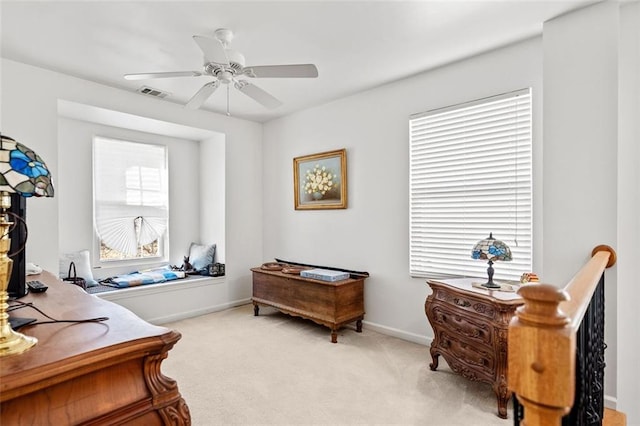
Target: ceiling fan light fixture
{"points": [[225, 76]]}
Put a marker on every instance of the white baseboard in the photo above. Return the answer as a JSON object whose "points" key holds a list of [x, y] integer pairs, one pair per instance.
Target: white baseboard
{"points": [[197, 312], [400, 334], [611, 402]]}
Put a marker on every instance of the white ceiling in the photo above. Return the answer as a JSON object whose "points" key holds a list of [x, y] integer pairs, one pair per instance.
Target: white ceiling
{"points": [[356, 45]]}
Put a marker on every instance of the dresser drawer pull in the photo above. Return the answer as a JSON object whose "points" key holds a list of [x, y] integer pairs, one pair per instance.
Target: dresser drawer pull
{"points": [[463, 303]]}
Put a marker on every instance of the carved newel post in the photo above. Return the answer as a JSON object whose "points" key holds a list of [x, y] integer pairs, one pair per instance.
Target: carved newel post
{"points": [[540, 341]]}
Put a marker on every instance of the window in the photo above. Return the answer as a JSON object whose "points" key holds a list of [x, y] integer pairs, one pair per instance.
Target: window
{"points": [[470, 174], [130, 199]]}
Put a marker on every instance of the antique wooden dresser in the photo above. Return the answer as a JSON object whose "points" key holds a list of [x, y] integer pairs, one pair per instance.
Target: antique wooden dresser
{"points": [[470, 328]]}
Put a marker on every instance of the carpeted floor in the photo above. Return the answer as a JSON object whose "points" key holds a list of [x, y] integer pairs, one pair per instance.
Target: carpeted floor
{"points": [[234, 368]]}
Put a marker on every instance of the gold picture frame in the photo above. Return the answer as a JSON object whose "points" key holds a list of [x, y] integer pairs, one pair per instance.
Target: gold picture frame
{"points": [[320, 180]]}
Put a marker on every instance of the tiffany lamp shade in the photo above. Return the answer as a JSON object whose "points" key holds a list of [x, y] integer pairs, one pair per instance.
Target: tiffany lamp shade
{"points": [[22, 172], [492, 250]]}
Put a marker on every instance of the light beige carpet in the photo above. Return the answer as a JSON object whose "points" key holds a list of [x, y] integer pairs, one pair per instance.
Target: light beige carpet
{"points": [[234, 368]]}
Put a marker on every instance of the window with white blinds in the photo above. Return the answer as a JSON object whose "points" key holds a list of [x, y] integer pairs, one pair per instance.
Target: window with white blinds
{"points": [[470, 175], [131, 201]]}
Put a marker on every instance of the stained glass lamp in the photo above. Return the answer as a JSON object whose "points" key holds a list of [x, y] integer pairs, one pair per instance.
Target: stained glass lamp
{"points": [[492, 250], [22, 172]]}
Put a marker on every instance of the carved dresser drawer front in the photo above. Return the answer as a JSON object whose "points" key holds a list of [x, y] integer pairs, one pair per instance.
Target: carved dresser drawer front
{"points": [[466, 303], [465, 327], [479, 359]]}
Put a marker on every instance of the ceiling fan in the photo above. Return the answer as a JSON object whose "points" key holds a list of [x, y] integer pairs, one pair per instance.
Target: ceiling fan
{"points": [[226, 66]]}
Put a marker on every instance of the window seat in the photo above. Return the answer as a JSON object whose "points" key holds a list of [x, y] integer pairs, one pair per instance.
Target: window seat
{"points": [[101, 288], [173, 300]]}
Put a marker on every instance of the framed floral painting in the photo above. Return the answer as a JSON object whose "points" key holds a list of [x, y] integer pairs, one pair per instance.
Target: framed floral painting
{"points": [[320, 180]]}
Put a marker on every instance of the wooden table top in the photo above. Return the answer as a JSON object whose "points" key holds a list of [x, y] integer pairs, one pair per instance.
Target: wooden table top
{"points": [[465, 285], [63, 349]]}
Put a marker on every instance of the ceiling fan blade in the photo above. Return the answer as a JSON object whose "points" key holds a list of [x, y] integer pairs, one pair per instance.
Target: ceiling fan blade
{"points": [[257, 94], [212, 49], [202, 95], [145, 76], [282, 71]]}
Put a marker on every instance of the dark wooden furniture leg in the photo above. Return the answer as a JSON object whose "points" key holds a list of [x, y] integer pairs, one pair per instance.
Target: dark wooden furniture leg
{"points": [[434, 361], [256, 309], [503, 399], [359, 326]]}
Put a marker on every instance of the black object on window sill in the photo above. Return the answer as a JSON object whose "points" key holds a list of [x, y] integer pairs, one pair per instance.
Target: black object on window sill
{"points": [[216, 269]]}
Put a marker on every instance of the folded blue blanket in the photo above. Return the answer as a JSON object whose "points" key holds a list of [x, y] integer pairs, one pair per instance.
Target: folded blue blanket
{"points": [[147, 277]]}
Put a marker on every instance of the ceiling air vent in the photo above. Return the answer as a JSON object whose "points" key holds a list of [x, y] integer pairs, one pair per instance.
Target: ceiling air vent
{"points": [[146, 90]]}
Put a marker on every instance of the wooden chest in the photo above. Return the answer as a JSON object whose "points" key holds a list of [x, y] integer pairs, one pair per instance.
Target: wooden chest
{"points": [[332, 304], [471, 328]]}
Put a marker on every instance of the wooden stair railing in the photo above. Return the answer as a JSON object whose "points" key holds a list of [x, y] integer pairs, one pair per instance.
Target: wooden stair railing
{"points": [[543, 337]]}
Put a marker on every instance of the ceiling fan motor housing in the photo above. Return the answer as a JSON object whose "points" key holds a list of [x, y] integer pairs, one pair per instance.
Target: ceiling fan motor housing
{"points": [[224, 73]]}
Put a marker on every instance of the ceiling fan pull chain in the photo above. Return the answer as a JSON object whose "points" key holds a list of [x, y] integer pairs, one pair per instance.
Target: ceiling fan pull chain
{"points": [[228, 113]]}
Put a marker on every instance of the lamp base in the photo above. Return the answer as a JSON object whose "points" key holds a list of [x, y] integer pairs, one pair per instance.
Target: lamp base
{"points": [[13, 343], [490, 284]]}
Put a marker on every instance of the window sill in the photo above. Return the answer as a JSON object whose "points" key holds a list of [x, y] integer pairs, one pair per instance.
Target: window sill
{"points": [[148, 289]]}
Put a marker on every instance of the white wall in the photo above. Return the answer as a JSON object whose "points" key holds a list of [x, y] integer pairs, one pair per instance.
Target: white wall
{"points": [[212, 195], [372, 234], [29, 107], [580, 134], [628, 314], [580, 150]]}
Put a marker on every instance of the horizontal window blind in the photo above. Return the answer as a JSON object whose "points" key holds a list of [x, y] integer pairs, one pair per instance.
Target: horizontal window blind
{"points": [[471, 174], [131, 199]]}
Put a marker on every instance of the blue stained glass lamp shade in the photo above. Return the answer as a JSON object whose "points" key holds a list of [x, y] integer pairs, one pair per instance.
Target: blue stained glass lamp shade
{"points": [[492, 250], [22, 171]]}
